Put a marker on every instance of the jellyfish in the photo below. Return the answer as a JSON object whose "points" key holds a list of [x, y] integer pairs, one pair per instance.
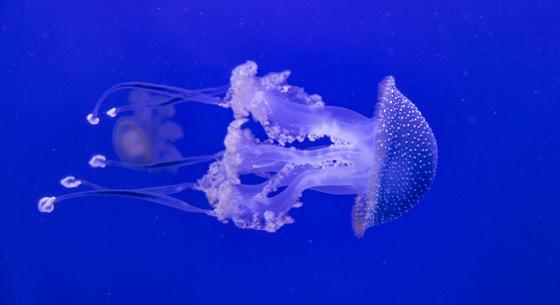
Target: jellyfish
{"points": [[388, 161]]}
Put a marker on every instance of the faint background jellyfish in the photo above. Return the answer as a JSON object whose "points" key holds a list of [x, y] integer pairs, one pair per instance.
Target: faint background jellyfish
{"points": [[146, 136], [388, 161]]}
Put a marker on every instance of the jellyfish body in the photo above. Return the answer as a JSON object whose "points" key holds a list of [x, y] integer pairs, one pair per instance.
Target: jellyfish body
{"points": [[388, 161], [147, 135]]}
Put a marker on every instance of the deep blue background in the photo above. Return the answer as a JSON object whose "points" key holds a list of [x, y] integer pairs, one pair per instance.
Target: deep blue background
{"points": [[485, 75]]}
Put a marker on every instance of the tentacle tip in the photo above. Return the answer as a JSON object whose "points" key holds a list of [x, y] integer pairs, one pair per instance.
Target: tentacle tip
{"points": [[98, 161], [46, 204], [70, 182], [92, 119], [112, 112]]}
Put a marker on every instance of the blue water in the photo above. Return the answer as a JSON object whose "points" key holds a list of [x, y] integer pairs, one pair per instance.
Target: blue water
{"points": [[486, 75]]}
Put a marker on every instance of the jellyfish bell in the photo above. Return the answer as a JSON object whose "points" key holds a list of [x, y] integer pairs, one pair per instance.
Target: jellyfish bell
{"points": [[404, 160], [388, 161], [131, 143]]}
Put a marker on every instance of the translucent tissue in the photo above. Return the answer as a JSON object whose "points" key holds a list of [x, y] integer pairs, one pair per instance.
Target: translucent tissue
{"points": [[387, 161]]}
